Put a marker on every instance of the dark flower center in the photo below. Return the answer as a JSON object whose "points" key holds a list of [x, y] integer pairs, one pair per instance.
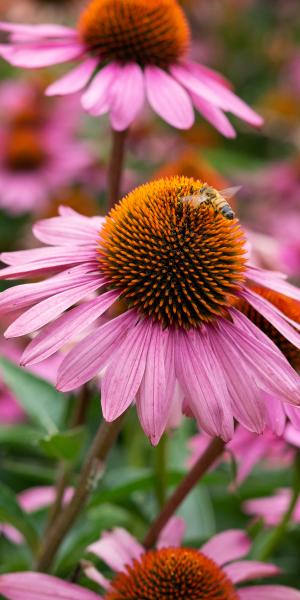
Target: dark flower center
{"points": [[24, 151], [175, 259]]}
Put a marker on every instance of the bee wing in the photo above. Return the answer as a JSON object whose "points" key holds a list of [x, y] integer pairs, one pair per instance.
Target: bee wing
{"points": [[230, 192]]}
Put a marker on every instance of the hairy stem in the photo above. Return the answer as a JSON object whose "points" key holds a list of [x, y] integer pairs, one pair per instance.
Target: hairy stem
{"points": [[115, 167], [92, 469], [212, 452]]}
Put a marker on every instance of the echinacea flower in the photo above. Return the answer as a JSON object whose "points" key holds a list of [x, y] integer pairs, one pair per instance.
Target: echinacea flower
{"points": [[213, 572], [128, 53], [39, 150], [32, 500], [171, 274], [273, 508]]}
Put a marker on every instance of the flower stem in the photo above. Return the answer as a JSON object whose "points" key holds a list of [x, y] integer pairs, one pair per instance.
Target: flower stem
{"points": [[279, 531], [92, 469], [160, 470], [115, 167], [212, 452]]}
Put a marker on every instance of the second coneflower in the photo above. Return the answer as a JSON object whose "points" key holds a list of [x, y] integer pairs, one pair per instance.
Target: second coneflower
{"points": [[130, 50], [170, 272]]}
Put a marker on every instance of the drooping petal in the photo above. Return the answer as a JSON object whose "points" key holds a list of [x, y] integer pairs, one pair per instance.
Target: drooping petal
{"points": [[252, 455], [227, 546], [206, 395], [75, 80], [268, 592], [214, 116], [275, 412], [125, 372], [97, 97], [50, 308], [127, 96], [66, 327], [274, 316], [246, 570], [39, 54], [168, 98], [117, 548], [152, 406], [38, 586], [89, 356]]}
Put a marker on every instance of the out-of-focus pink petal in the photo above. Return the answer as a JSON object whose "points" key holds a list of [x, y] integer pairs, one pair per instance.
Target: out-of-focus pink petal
{"points": [[168, 98], [39, 31], [172, 534], [38, 586], [93, 353], [227, 546], [120, 385], [97, 97], [214, 116], [117, 548], [246, 570], [93, 574], [40, 54], [269, 592], [127, 96], [291, 434], [36, 498], [152, 406], [66, 327], [75, 80], [255, 451]]}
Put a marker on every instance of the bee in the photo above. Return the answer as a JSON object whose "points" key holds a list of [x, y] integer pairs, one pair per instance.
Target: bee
{"points": [[214, 198]]}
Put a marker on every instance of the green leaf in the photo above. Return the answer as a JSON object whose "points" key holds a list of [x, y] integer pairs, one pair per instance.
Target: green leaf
{"points": [[64, 446], [19, 437], [40, 400], [11, 512]]}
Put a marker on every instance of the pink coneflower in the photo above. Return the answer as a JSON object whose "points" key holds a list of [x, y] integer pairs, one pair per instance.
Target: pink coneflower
{"points": [[272, 509], [39, 151], [169, 571], [171, 272], [129, 52]]}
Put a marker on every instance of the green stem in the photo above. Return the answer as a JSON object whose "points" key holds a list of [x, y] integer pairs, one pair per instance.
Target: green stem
{"points": [[277, 534], [160, 470]]}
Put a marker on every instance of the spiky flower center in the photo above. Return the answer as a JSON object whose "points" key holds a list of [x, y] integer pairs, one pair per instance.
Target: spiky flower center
{"points": [[24, 151], [149, 32], [172, 574], [289, 307], [174, 259]]}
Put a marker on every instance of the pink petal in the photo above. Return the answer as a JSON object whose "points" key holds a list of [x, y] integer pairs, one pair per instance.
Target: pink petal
{"points": [[93, 574], [227, 546], [50, 308], [65, 231], [247, 405], [125, 372], [207, 395], [37, 586], [246, 570], [11, 533], [269, 592], [168, 98], [127, 96], [40, 54], [91, 355], [172, 534], [66, 327], [273, 281], [52, 260], [275, 413], [75, 80], [274, 316], [23, 295], [255, 451], [214, 116], [34, 499], [39, 31], [117, 548], [291, 434], [224, 97], [152, 406], [97, 99]]}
